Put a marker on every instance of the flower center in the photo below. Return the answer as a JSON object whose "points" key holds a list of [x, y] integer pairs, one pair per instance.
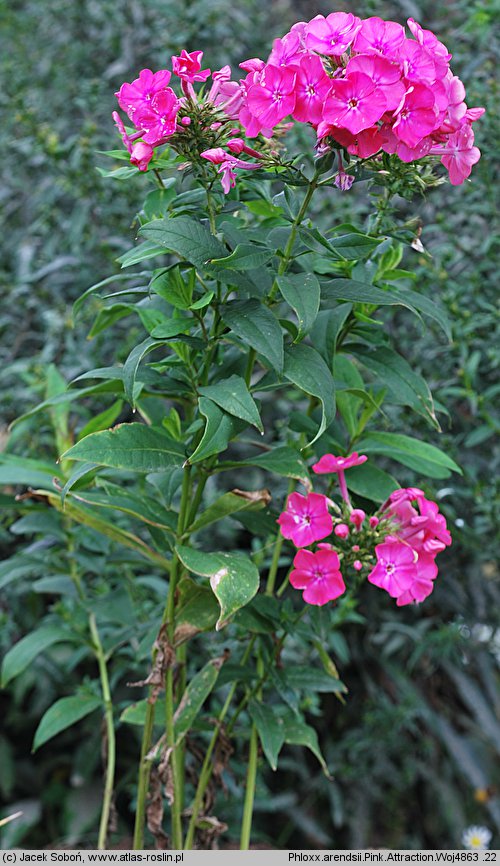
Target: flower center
{"points": [[390, 568], [277, 96], [310, 90], [353, 103]]}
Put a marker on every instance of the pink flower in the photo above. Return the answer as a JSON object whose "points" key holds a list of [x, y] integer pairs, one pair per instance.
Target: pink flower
{"points": [[227, 163], [287, 50], [459, 154], [306, 519], [422, 585], [423, 527], [428, 40], [354, 103], [272, 97], [318, 574], [396, 568], [331, 35], [330, 463], [418, 65], [142, 90], [187, 66], [342, 530], [417, 115], [312, 85], [384, 37], [357, 517], [386, 75], [158, 118], [373, 521], [141, 155], [357, 565]]}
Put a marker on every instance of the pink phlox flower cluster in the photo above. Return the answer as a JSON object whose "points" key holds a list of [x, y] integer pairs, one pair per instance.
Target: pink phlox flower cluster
{"points": [[153, 106], [366, 85], [318, 574], [406, 565]]}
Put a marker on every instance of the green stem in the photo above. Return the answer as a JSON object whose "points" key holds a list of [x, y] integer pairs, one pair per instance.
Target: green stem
{"points": [[110, 735], [143, 779], [287, 253], [273, 569], [206, 769], [246, 824]]}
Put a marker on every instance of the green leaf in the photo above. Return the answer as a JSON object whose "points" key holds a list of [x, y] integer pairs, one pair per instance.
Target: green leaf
{"points": [[196, 610], [79, 473], [307, 369], [147, 250], [219, 430], [255, 324], [303, 677], [411, 452], [297, 733], [186, 237], [129, 446], [197, 691], [371, 482], [233, 577], [171, 286], [25, 651], [227, 504], [406, 386], [283, 461], [270, 729], [27, 472], [426, 306], [233, 396], [108, 316], [354, 246], [61, 715], [302, 292], [102, 421], [131, 366], [141, 507], [244, 258], [135, 714], [342, 289]]}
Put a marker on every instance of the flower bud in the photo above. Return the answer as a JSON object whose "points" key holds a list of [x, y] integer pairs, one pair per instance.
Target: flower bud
{"points": [[341, 530], [141, 155], [357, 516]]}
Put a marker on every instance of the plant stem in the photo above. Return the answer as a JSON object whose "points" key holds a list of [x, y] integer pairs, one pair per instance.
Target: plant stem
{"points": [[287, 253], [110, 735], [143, 779], [206, 769], [246, 824]]}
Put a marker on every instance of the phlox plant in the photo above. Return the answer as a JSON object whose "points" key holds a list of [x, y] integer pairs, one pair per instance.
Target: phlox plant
{"points": [[265, 359]]}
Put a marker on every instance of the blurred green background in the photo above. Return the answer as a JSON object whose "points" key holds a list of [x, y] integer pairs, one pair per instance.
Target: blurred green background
{"points": [[415, 750]]}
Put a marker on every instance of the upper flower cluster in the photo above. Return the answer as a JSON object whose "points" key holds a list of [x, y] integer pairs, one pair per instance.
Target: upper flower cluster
{"points": [[398, 544], [366, 86]]}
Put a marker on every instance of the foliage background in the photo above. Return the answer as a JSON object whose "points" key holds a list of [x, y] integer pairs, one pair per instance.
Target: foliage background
{"points": [[414, 749]]}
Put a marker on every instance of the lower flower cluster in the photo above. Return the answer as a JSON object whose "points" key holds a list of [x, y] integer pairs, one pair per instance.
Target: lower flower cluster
{"points": [[395, 548]]}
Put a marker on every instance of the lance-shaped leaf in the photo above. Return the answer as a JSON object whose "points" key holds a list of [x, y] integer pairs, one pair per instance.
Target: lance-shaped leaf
{"points": [[302, 292], [326, 330], [298, 733], [231, 503], [283, 461], [25, 651], [255, 324], [61, 715], [219, 430], [186, 237], [244, 258], [129, 446], [233, 396], [233, 577], [307, 369], [364, 293], [196, 610], [270, 729], [418, 455], [197, 691]]}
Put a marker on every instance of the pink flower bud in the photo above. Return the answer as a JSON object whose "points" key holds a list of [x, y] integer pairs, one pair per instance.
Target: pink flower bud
{"points": [[141, 155], [186, 121], [341, 530], [374, 521], [355, 548], [357, 565], [357, 516]]}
